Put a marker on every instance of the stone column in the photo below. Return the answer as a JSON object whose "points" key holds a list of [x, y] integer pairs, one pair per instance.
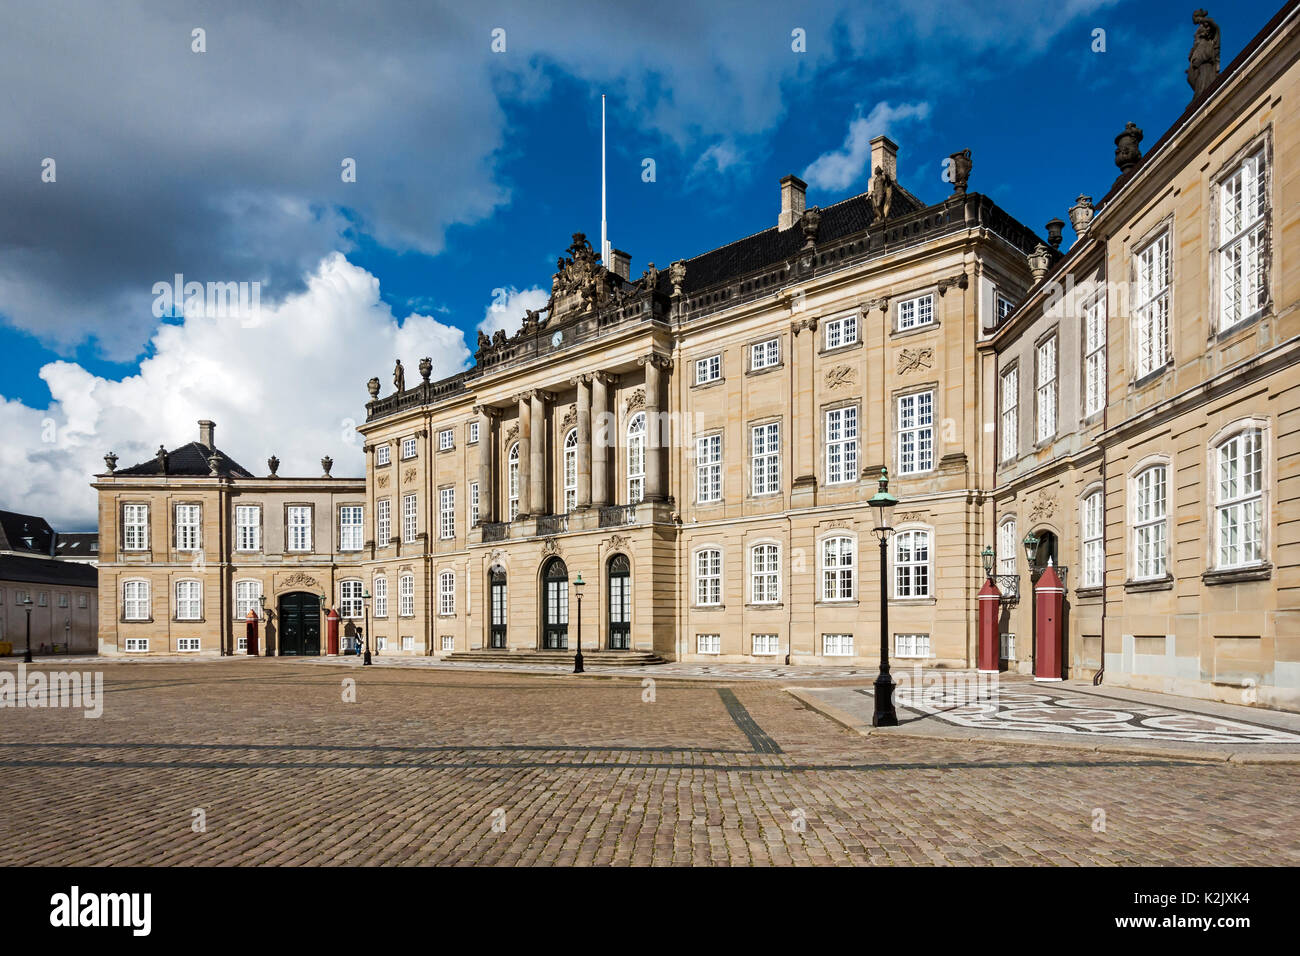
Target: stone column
{"points": [[538, 457], [656, 443], [525, 453], [486, 474], [803, 348], [584, 440], [604, 439]]}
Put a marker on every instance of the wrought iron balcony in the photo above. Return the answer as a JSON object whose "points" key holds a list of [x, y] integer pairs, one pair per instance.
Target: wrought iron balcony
{"points": [[496, 530], [1009, 585], [615, 515], [552, 524]]}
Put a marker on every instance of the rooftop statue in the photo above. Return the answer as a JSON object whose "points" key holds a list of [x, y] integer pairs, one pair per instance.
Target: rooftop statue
{"points": [[1203, 60]]}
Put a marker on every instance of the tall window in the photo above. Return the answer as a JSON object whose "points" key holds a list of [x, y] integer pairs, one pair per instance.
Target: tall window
{"points": [[765, 573], [839, 568], [914, 313], [381, 595], [446, 513], [1094, 355], [765, 458], [1243, 209], [383, 521], [841, 331], [446, 440], [351, 603], [708, 468], [1046, 388], [299, 528], [765, 354], [447, 592], [406, 595], [1151, 314], [248, 528], [410, 526], [135, 527], [473, 504], [708, 369], [571, 470], [1240, 504], [841, 444], [512, 481], [187, 527], [1150, 510], [1010, 413], [1092, 525], [708, 576], [350, 528], [135, 600], [473, 433], [912, 564], [1007, 545], [246, 595], [189, 600], [636, 458], [915, 432]]}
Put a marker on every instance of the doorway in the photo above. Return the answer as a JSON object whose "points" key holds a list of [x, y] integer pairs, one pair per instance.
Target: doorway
{"points": [[299, 624], [620, 603], [497, 627], [555, 606]]}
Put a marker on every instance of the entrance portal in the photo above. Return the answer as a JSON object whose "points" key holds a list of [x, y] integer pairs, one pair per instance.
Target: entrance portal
{"points": [[555, 606], [620, 603], [299, 624], [497, 583]]}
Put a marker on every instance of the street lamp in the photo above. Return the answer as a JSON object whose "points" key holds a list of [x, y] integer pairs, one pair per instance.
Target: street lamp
{"points": [[261, 619], [1031, 550], [577, 658], [365, 599], [987, 555], [27, 606], [882, 511]]}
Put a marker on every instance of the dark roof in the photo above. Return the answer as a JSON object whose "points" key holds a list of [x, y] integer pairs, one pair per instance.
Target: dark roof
{"points": [[76, 544], [30, 533], [17, 567], [189, 461]]}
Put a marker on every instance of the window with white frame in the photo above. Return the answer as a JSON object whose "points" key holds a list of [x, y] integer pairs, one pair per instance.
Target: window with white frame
{"points": [[446, 513], [839, 556], [447, 592], [915, 432], [1004, 306], [383, 521], [410, 518], [765, 574], [473, 433], [82, 601], [381, 595], [837, 645], [1045, 388], [842, 331], [381, 643], [408, 642], [708, 576], [636, 458], [408, 447], [912, 564], [708, 643], [186, 644], [445, 442], [1092, 524], [189, 600], [137, 645], [765, 645], [571, 470], [473, 504], [135, 600], [841, 444], [1243, 212], [1094, 355], [135, 527], [351, 602], [764, 354], [708, 469], [448, 642], [248, 528], [1239, 507], [1007, 545], [912, 645], [382, 454], [708, 369], [406, 595], [1010, 413], [299, 528], [1150, 511], [187, 527], [1008, 646], [916, 312], [1151, 312], [246, 599], [241, 643], [765, 458], [351, 532], [512, 482]]}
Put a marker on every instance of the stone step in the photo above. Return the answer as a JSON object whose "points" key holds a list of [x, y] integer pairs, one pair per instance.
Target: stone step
{"points": [[604, 658]]}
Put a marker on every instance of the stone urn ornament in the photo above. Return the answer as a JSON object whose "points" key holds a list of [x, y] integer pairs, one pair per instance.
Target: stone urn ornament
{"points": [[1054, 230], [372, 387], [326, 464], [962, 164], [426, 369], [677, 275], [111, 461], [214, 465], [810, 224], [1081, 214], [1039, 260], [273, 463], [1127, 153]]}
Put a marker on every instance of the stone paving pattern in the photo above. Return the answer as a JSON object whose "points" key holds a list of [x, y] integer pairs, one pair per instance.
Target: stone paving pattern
{"points": [[585, 772]]}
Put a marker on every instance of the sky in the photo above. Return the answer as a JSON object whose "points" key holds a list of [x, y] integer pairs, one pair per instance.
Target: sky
{"points": [[389, 177]]}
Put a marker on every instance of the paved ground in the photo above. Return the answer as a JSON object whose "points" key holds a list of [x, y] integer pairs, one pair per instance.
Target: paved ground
{"points": [[433, 765]]}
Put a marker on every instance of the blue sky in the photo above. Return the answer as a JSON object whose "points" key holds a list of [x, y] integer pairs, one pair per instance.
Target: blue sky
{"points": [[473, 168]]}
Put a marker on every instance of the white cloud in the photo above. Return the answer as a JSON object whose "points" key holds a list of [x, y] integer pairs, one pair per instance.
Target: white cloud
{"points": [[718, 158], [839, 169], [292, 384], [506, 311]]}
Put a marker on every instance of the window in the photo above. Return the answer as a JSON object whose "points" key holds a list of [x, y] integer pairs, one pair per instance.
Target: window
{"points": [[1240, 503], [1010, 413], [1046, 388], [63, 600], [241, 643], [447, 592], [383, 521], [1007, 545], [82, 601], [42, 598], [708, 577], [408, 642], [765, 574], [448, 642], [765, 458], [636, 458], [135, 527], [409, 518], [1091, 524], [406, 595], [1149, 530], [246, 599], [764, 354], [135, 601], [911, 645], [1094, 355], [299, 528], [351, 603], [187, 644], [1151, 314], [708, 369], [1004, 306], [512, 481], [839, 568], [842, 331], [1008, 646], [381, 643], [248, 528], [350, 530], [473, 504], [381, 595], [765, 645], [837, 645], [708, 469], [445, 439], [446, 513], [382, 453], [137, 645], [841, 444], [915, 433], [912, 564], [189, 601], [571, 470], [914, 313], [187, 527], [408, 448], [473, 433], [1243, 211], [708, 643]]}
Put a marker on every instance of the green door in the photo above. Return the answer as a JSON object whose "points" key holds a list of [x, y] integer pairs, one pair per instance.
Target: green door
{"points": [[299, 624]]}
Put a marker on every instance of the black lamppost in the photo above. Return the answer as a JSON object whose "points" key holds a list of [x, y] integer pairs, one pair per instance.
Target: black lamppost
{"points": [[261, 603], [577, 658], [365, 598], [882, 511], [27, 606]]}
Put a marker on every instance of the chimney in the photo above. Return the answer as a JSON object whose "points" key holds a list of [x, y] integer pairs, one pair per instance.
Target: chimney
{"points": [[793, 190], [620, 263], [884, 156], [206, 428]]}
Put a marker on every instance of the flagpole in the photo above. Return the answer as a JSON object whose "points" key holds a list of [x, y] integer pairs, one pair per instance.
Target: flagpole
{"points": [[604, 241]]}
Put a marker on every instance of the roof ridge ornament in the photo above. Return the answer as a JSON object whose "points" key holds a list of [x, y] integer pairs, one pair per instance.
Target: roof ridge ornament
{"points": [[1203, 58], [1127, 152]]}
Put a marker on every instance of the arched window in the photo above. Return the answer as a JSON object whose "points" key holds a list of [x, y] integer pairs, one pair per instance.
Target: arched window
{"points": [[1150, 521], [839, 557], [636, 458], [246, 595], [381, 595], [447, 592], [555, 605], [135, 600], [1239, 502], [1090, 526], [620, 603], [912, 564], [571, 470], [189, 600], [1008, 546], [765, 573], [708, 576], [350, 603], [512, 480]]}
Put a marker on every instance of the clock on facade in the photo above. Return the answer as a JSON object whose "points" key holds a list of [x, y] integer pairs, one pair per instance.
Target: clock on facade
{"points": [[556, 339]]}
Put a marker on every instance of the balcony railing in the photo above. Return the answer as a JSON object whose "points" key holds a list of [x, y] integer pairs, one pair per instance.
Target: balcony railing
{"points": [[496, 530], [552, 524], [1009, 585], [615, 515]]}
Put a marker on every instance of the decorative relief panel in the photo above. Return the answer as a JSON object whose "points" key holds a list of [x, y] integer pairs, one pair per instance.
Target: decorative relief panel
{"points": [[910, 360], [841, 376]]}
